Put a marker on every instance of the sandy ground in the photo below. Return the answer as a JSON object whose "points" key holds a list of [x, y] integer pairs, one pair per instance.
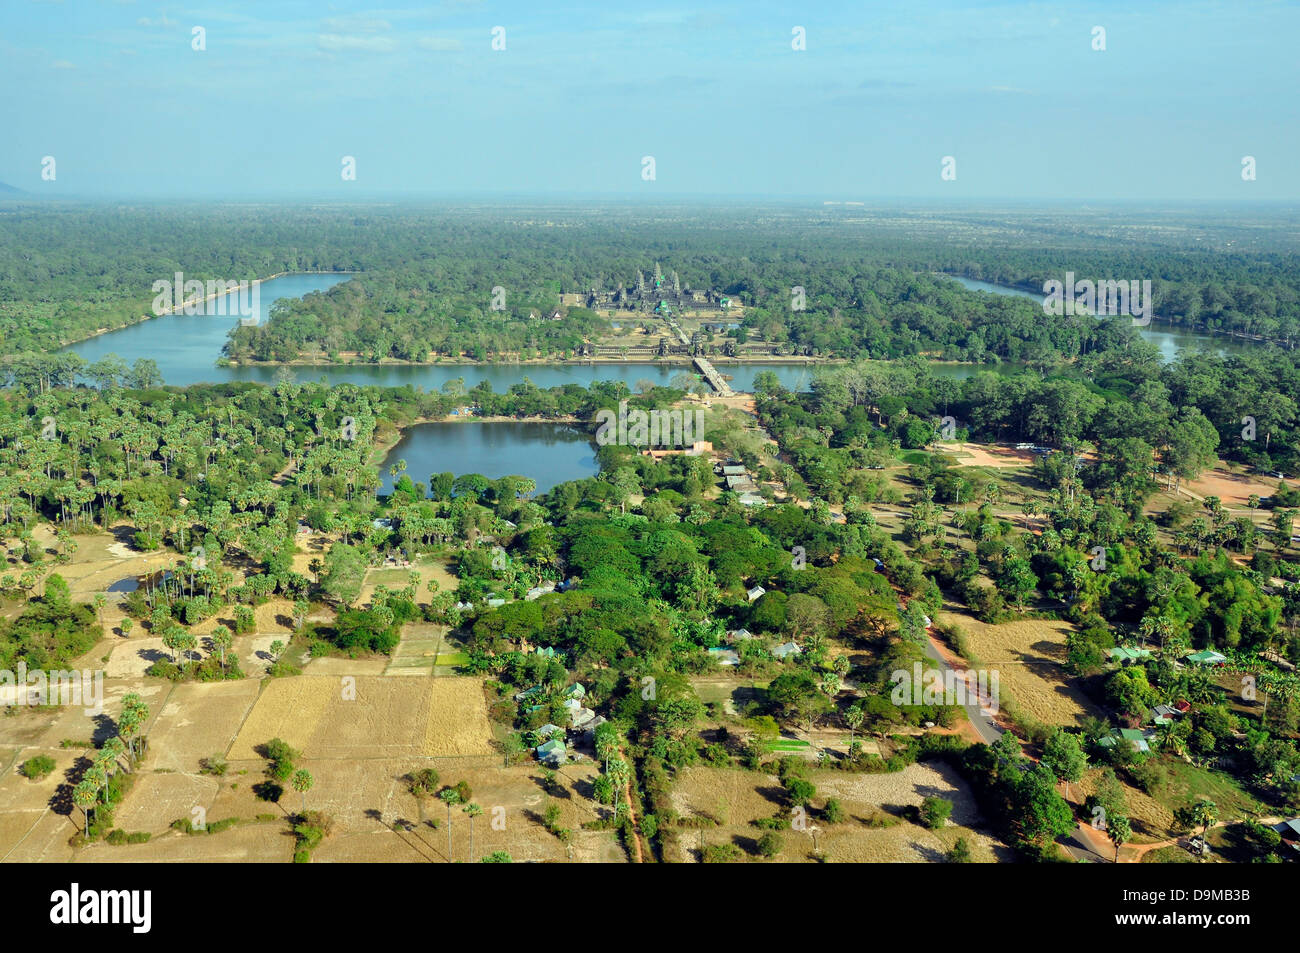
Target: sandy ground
{"points": [[987, 455], [1234, 489]]}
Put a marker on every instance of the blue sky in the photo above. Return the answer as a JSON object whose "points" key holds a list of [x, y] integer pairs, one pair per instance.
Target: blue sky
{"points": [[414, 91]]}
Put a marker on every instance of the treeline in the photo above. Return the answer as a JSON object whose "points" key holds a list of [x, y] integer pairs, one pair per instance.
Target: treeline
{"points": [[430, 274], [1147, 421]]}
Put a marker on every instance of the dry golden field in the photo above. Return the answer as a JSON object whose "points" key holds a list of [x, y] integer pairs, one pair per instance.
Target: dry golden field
{"points": [[1027, 655], [389, 717]]}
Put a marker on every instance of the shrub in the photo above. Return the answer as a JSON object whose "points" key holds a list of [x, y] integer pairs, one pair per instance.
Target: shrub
{"points": [[833, 813], [770, 844], [721, 853], [37, 767], [960, 853], [934, 812]]}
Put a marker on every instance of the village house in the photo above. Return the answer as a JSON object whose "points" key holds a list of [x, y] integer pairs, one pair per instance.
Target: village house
{"points": [[724, 656]]}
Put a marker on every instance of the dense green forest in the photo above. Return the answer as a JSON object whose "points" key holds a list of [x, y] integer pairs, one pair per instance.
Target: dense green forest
{"points": [[623, 583], [428, 273]]}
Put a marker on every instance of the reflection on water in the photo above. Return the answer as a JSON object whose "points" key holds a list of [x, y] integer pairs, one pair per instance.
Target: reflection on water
{"points": [[548, 453]]}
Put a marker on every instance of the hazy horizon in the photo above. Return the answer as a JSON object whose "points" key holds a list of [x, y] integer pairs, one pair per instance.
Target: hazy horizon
{"points": [[117, 94]]}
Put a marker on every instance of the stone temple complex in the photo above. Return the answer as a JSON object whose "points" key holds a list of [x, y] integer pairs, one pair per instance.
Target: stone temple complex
{"points": [[657, 294]]}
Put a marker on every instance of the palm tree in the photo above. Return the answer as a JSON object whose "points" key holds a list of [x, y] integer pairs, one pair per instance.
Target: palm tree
{"points": [[302, 782], [1207, 814], [606, 748], [128, 727], [449, 797], [1119, 831], [97, 777], [619, 775], [222, 640], [853, 718], [85, 797], [114, 748], [473, 810], [105, 761]]}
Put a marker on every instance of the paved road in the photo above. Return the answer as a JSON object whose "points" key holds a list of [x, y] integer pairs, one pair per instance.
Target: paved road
{"points": [[987, 729]]}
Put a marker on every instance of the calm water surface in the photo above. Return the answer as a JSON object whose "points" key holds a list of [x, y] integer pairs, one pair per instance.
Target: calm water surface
{"points": [[548, 453]]}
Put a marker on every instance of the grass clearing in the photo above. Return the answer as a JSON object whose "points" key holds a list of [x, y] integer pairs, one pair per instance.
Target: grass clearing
{"points": [[1027, 654]]}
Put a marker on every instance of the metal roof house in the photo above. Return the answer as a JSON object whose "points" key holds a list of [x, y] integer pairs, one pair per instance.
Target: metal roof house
{"points": [[552, 752], [724, 656]]}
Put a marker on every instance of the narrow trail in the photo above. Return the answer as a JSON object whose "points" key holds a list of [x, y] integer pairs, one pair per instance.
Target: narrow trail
{"points": [[631, 811]]}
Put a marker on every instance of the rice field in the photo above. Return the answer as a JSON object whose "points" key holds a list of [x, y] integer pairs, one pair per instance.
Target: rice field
{"points": [[368, 716]]}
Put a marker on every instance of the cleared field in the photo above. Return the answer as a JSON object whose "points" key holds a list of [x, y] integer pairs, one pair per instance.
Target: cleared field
{"points": [[198, 721], [389, 717], [1234, 489], [398, 578], [273, 617], [1027, 655], [735, 798], [131, 657], [158, 799], [988, 455], [377, 819]]}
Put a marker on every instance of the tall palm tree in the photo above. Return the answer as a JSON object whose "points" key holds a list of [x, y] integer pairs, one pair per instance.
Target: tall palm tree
{"points": [[84, 796], [473, 810], [449, 797], [853, 718]]}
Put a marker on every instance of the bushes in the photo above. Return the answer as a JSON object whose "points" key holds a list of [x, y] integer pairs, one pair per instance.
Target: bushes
{"points": [[186, 826], [37, 768], [282, 758], [954, 636], [312, 828], [934, 812], [720, 853], [117, 837]]}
